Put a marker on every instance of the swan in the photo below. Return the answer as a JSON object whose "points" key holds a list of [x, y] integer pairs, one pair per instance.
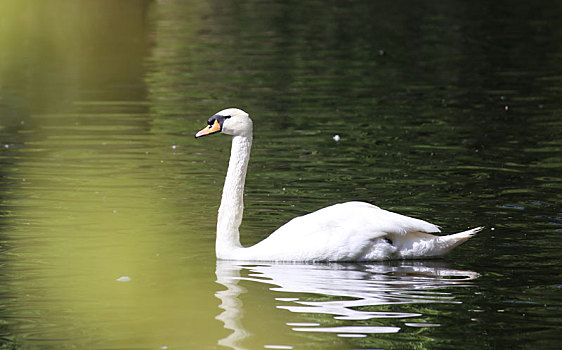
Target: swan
{"points": [[344, 232]]}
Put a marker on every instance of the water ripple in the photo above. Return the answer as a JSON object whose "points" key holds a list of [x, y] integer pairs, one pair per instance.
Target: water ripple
{"points": [[346, 292]]}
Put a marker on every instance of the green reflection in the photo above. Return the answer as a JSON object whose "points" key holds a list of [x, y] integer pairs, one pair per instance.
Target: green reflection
{"points": [[99, 252]]}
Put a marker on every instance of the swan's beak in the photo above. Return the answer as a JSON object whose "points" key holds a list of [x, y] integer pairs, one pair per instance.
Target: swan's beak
{"points": [[211, 129]]}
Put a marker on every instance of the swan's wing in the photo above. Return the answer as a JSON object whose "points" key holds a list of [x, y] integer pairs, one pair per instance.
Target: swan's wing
{"points": [[357, 217], [339, 232]]}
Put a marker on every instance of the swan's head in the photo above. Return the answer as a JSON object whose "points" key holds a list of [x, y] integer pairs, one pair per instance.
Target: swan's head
{"points": [[230, 121]]}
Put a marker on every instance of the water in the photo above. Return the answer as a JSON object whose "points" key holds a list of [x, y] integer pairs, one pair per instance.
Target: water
{"points": [[449, 112], [346, 300]]}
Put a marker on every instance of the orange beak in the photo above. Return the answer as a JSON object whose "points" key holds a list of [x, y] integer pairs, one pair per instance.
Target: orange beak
{"points": [[211, 129]]}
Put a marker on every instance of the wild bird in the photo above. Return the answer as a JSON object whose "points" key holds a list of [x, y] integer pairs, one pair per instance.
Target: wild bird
{"points": [[352, 231]]}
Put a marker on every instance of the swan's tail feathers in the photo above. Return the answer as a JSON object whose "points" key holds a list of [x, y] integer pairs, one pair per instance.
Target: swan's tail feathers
{"points": [[454, 240], [467, 234]]}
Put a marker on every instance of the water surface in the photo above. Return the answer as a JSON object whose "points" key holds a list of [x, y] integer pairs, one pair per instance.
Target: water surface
{"points": [[448, 112]]}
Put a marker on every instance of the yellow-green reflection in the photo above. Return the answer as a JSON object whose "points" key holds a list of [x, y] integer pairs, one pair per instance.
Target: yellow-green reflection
{"points": [[106, 258]]}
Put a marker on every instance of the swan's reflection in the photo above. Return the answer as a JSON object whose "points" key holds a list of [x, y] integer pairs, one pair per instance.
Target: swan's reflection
{"points": [[360, 285]]}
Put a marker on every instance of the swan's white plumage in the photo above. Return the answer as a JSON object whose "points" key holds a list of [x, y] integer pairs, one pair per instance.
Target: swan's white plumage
{"points": [[352, 231]]}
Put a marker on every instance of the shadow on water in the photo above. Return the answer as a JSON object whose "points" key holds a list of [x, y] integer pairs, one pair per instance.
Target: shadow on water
{"points": [[337, 298]]}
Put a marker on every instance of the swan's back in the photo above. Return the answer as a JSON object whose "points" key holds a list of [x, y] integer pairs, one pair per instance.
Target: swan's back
{"points": [[352, 231], [355, 216]]}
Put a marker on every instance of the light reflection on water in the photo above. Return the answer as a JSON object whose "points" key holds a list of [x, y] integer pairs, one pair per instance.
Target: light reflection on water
{"points": [[345, 292]]}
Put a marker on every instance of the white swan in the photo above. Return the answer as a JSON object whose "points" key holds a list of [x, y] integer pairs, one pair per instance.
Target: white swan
{"points": [[352, 231]]}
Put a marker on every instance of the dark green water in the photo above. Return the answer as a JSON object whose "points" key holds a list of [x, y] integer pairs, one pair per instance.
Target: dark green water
{"points": [[446, 111]]}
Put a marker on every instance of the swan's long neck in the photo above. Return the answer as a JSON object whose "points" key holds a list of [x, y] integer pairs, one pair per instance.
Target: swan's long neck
{"points": [[232, 202]]}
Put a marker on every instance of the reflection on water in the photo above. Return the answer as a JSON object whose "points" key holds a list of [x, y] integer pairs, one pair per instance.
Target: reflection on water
{"points": [[348, 292]]}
